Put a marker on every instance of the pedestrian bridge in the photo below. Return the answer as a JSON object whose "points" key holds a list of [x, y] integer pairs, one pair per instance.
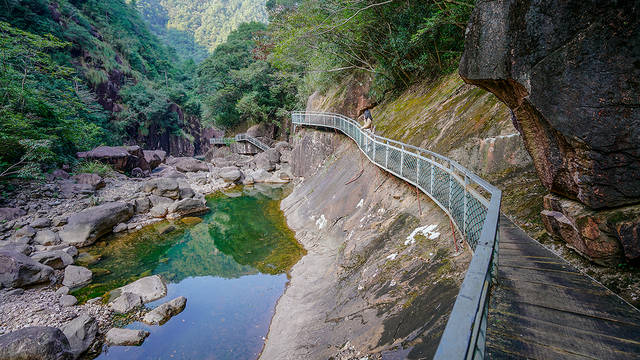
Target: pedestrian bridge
{"points": [[518, 299], [240, 137]]}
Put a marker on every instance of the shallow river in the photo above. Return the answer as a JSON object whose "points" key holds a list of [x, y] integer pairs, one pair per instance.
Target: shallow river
{"points": [[231, 264]]}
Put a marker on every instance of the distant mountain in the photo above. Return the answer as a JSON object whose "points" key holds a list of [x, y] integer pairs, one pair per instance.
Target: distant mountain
{"points": [[195, 27]]}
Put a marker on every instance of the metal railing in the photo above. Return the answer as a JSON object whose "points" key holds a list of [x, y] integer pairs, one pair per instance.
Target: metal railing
{"points": [[240, 137], [473, 206]]}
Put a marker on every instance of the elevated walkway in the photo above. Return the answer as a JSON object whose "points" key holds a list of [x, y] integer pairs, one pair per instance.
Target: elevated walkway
{"points": [[240, 138], [518, 299]]}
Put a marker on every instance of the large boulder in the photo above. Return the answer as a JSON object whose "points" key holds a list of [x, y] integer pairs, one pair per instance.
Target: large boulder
{"points": [[154, 157], [8, 214], [47, 238], [81, 332], [76, 276], [35, 343], [57, 259], [121, 158], [164, 312], [267, 160], [149, 288], [125, 303], [165, 187], [87, 226], [94, 180], [125, 337], [230, 174], [189, 164], [18, 270], [569, 72], [262, 130], [185, 207]]}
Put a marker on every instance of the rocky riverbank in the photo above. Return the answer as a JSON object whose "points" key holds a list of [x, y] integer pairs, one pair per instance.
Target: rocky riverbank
{"points": [[44, 226]]}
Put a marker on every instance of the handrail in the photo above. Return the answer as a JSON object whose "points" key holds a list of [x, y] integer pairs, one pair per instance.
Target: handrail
{"points": [[240, 137], [457, 191]]}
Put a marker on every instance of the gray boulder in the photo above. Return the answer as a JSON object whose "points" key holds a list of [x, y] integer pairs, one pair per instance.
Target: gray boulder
{"points": [[76, 276], [154, 157], [9, 214], [165, 187], [142, 205], [81, 332], [35, 343], [160, 200], [39, 223], [125, 337], [159, 211], [18, 270], [164, 312], [188, 164], [122, 158], [185, 207], [87, 226], [94, 180], [230, 174], [149, 288], [25, 231], [68, 300], [57, 259], [47, 238], [125, 303]]}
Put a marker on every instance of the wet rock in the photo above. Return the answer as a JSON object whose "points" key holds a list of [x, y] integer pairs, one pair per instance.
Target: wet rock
{"points": [[76, 276], [87, 259], [189, 164], [125, 303], [18, 270], [164, 312], [163, 230], [85, 227], [121, 158], [186, 207], [57, 259], [94, 180], [149, 288], [583, 139], [35, 343], [81, 332], [68, 300], [39, 223], [8, 214], [47, 237], [125, 337]]}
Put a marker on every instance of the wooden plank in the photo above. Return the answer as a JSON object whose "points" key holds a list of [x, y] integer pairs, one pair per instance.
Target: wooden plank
{"points": [[536, 264], [541, 276], [505, 346], [570, 300], [568, 339]]}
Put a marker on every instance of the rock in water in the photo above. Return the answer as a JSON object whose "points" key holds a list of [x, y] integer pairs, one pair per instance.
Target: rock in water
{"points": [[76, 276], [85, 227], [149, 288], [35, 343], [126, 337], [186, 207], [125, 303], [166, 311], [57, 259], [81, 332], [17, 270]]}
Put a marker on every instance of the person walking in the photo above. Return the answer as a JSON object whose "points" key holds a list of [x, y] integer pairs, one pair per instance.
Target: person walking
{"points": [[368, 120]]}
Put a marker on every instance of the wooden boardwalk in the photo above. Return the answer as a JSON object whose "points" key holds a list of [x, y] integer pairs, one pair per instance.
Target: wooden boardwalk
{"points": [[543, 308]]}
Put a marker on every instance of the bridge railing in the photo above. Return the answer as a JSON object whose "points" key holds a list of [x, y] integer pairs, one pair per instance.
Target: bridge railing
{"points": [[240, 137], [473, 206]]}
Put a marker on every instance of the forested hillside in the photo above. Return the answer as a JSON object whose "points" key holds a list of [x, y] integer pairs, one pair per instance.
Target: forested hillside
{"points": [[195, 28], [76, 74]]}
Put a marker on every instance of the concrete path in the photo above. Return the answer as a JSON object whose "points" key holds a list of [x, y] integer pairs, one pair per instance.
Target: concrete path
{"points": [[544, 308]]}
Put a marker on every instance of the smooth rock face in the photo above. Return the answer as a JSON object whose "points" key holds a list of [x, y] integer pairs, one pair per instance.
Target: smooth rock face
{"points": [[166, 311], [149, 288], [93, 180], [87, 226], [125, 337], [76, 276], [125, 303], [35, 343], [569, 72], [165, 187], [40, 223], [18, 270], [186, 207], [57, 259], [81, 332], [230, 174], [47, 237], [154, 157]]}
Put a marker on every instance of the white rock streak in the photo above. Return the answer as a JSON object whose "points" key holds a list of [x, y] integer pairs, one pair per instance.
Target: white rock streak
{"points": [[428, 231]]}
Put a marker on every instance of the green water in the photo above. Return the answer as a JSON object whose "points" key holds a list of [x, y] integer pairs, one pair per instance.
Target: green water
{"points": [[230, 263]]}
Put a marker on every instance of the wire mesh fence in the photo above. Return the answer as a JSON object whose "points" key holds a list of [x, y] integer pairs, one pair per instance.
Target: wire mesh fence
{"points": [[451, 186]]}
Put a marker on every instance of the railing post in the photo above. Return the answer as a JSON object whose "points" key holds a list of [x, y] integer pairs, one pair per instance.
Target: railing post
{"points": [[401, 159]]}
